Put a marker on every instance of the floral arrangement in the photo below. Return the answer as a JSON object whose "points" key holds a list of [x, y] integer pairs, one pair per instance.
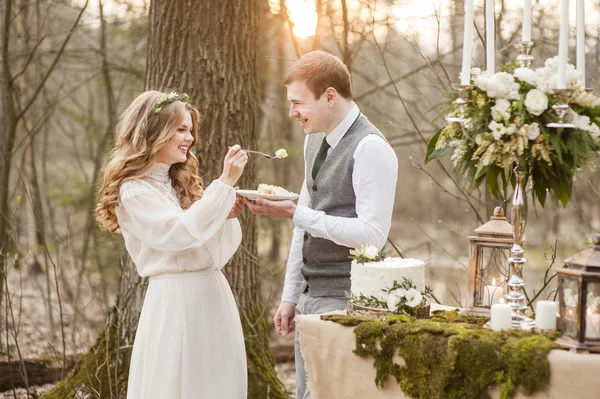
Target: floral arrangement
{"points": [[367, 253], [505, 126], [171, 97], [402, 298]]}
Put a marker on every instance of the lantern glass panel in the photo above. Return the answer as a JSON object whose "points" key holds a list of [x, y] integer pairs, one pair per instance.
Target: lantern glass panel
{"points": [[592, 319], [570, 288], [492, 276]]}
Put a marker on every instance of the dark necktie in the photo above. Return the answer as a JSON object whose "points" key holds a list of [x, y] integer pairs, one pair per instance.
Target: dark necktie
{"points": [[321, 155]]}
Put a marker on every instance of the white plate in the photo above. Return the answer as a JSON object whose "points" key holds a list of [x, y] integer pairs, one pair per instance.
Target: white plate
{"points": [[253, 194]]}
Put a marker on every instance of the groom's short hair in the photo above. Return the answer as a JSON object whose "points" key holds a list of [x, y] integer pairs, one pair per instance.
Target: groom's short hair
{"points": [[320, 70]]}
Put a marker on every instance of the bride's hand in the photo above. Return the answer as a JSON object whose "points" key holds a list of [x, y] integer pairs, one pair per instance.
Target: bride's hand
{"points": [[237, 207], [233, 165]]}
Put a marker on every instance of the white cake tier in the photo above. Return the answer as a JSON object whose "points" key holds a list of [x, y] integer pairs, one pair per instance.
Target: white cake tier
{"points": [[373, 277]]}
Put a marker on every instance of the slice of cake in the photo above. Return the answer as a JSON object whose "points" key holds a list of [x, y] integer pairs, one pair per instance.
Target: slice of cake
{"points": [[272, 190]]}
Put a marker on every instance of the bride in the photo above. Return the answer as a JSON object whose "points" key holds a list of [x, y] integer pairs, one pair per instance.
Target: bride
{"points": [[189, 341]]}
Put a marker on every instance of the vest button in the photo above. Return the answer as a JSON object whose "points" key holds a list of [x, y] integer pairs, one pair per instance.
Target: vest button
{"points": [[304, 260], [314, 187]]}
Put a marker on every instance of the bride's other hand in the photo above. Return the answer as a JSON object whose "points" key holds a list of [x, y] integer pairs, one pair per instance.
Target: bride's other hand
{"points": [[233, 165], [237, 207]]}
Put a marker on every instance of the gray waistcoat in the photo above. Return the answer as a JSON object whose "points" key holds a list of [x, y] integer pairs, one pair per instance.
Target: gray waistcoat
{"points": [[326, 266]]}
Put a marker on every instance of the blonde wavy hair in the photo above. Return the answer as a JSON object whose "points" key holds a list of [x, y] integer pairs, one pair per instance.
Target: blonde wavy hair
{"points": [[140, 137]]}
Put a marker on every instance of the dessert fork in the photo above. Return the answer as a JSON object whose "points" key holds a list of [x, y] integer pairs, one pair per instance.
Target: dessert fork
{"points": [[263, 154]]}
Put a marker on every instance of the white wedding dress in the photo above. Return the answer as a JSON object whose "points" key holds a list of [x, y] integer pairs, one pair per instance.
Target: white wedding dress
{"points": [[189, 342]]}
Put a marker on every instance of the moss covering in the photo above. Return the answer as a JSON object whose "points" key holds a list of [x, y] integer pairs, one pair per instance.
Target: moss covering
{"points": [[262, 379], [452, 356]]}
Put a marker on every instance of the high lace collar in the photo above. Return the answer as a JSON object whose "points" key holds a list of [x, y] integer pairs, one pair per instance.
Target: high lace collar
{"points": [[160, 172]]}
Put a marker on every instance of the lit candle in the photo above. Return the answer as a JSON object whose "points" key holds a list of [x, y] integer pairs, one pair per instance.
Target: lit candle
{"points": [[545, 315], [465, 77], [526, 32], [563, 45], [492, 293], [490, 42], [592, 324], [581, 38], [501, 317]]}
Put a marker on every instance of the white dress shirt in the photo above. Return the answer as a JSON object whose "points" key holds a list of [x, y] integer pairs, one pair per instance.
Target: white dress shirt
{"points": [[374, 181]]}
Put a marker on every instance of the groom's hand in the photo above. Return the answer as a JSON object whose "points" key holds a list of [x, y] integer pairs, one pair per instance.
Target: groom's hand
{"points": [[276, 209], [284, 318]]}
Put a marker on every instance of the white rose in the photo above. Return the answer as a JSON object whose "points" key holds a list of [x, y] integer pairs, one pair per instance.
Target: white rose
{"points": [[536, 102], [500, 108], [513, 94], [413, 297], [498, 129], [500, 85], [526, 75], [482, 81], [392, 302], [552, 63], [371, 252], [533, 131]]}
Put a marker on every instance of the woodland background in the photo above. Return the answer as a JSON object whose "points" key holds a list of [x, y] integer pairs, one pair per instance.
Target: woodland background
{"points": [[70, 67]]}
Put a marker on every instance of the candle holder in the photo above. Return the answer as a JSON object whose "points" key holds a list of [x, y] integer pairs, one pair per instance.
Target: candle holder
{"points": [[516, 285], [561, 109], [525, 59], [461, 104]]}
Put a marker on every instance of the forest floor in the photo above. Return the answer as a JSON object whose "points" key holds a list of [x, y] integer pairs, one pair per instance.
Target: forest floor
{"points": [[30, 327]]}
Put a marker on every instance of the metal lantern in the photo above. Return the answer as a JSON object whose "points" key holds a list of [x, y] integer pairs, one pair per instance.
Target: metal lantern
{"points": [[488, 263], [579, 300]]}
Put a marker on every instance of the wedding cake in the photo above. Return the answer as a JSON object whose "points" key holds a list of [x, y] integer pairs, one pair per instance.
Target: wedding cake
{"points": [[375, 278]]}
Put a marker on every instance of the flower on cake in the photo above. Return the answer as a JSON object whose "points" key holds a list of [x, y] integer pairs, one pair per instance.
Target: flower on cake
{"points": [[400, 296], [367, 253]]}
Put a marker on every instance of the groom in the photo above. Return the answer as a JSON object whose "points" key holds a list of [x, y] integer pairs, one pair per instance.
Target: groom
{"points": [[346, 200]]}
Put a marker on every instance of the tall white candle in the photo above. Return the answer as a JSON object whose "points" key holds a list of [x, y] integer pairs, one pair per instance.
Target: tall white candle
{"points": [[492, 293], [592, 324], [501, 317], [581, 38], [490, 39], [545, 315], [563, 45], [526, 31], [467, 43]]}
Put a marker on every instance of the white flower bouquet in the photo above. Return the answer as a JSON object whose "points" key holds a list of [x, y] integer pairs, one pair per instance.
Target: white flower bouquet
{"points": [[505, 126]]}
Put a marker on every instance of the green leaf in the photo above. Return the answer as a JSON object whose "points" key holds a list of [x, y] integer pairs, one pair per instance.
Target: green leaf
{"points": [[482, 170], [432, 153], [491, 177], [540, 193]]}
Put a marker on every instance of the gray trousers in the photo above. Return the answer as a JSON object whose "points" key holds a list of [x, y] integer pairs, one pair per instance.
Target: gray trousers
{"points": [[311, 305]]}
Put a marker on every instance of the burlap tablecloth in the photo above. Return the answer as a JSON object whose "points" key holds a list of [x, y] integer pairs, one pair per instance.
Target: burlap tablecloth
{"points": [[335, 372]]}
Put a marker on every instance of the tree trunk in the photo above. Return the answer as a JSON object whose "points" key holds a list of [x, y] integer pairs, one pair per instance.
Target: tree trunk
{"points": [[208, 50], [215, 61]]}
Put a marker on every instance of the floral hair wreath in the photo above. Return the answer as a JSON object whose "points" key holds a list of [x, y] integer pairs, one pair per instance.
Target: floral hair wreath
{"points": [[171, 97]]}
